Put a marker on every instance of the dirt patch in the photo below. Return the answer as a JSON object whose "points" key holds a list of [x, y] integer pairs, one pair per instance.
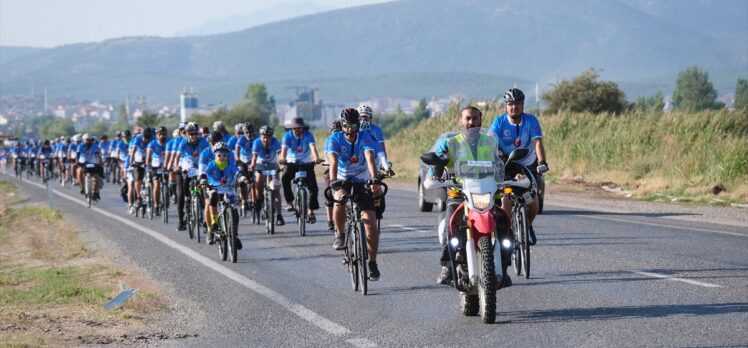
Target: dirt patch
{"points": [[53, 286]]}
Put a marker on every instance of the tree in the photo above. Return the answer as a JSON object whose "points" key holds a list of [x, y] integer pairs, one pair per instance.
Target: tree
{"points": [[256, 100], [57, 127], [741, 94], [422, 112], [123, 120], [652, 103], [585, 94], [148, 119], [694, 91]]}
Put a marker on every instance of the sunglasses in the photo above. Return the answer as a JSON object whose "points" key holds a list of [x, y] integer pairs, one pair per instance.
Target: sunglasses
{"points": [[222, 154], [193, 134], [353, 126]]}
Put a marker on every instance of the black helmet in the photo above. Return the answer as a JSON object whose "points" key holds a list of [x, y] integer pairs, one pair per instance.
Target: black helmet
{"points": [[514, 95], [265, 130], [148, 133], [126, 133], [162, 130], [46, 142], [191, 127], [335, 126], [249, 128], [216, 137], [349, 116]]}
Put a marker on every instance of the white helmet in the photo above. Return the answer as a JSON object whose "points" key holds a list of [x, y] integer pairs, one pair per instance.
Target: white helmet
{"points": [[76, 138], [364, 110], [87, 136]]}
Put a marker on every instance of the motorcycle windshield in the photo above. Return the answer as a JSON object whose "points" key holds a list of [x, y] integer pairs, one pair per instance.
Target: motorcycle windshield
{"points": [[479, 170]]}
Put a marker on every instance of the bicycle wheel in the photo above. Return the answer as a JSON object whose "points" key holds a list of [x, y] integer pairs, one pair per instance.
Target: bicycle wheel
{"points": [[525, 248], [223, 223], [363, 257], [301, 199], [518, 240], [350, 254], [188, 218], [151, 209], [164, 198], [198, 217], [89, 189], [233, 234], [269, 212]]}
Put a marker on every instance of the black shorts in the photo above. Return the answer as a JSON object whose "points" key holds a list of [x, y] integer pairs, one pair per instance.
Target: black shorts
{"points": [[138, 172], [97, 169], [364, 197]]}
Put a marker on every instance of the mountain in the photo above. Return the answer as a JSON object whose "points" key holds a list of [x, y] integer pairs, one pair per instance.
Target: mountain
{"points": [[270, 14], [517, 40], [8, 53]]}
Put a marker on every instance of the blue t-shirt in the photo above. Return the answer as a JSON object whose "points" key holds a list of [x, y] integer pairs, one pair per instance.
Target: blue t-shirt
{"points": [[191, 152], [122, 146], [46, 151], [245, 149], [266, 154], [299, 150], [140, 148], [157, 153], [351, 157], [88, 154], [521, 136], [217, 177], [105, 147], [231, 143]]}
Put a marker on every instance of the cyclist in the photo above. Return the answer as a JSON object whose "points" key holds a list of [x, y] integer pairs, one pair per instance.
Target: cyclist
{"points": [[335, 127], [243, 154], [171, 153], [516, 129], [303, 150], [187, 157], [352, 157], [73, 156], [265, 151], [106, 148], [220, 172], [15, 154], [89, 153], [206, 156], [3, 157], [138, 151], [155, 154], [45, 152]]}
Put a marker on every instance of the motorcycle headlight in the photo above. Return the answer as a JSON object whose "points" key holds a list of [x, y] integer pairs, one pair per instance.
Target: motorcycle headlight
{"points": [[481, 201]]}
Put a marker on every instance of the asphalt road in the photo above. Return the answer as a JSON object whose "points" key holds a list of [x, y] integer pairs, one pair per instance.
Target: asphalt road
{"points": [[599, 279]]}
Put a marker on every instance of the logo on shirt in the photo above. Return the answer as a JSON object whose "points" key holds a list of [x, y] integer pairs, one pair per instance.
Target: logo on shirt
{"points": [[194, 154], [223, 181], [517, 142], [506, 133], [267, 156], [354, 159], [299, 149]]}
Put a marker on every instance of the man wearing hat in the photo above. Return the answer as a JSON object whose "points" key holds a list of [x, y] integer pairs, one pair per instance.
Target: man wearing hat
{"points": [[297, 149]]}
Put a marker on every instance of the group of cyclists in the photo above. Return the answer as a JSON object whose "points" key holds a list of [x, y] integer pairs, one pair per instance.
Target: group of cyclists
{"points": [[215, 159], [355, 155]]}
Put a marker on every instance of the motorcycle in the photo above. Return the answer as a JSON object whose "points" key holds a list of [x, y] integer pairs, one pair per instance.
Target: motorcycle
{"points": [[474, 230]]}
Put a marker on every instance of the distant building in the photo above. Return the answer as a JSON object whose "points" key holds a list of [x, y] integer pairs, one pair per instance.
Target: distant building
{"points": [[188, 104]]}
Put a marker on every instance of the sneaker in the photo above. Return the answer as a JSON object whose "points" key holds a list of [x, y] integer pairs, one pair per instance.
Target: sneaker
{"points": [[331, 226], [532, 240], [82, 191], [505, 282], [279, 220], [96, 196], [445, 277], [182, 226], [132, 210], [373, 271], [157, 211], [238, 244], [289, 207], [311, 218], [339, 243], [210, 238]]}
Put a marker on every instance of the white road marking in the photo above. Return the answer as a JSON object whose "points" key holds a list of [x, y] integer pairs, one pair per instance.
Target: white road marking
{"points": [[362, 343], [402, 227], [293, 307], [689, 281], [667, 226]]}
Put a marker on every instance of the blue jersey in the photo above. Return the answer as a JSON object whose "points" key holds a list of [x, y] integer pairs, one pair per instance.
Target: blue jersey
{"points": [[351, 157], [266, 154], [121, 149], [190, 153], [231, 143], [157, 153], [47, 152], [517, 136], [106, 148], [225, 177], [88, 154], [245, 149], [139, 145], [206, 156], [299, 149]]}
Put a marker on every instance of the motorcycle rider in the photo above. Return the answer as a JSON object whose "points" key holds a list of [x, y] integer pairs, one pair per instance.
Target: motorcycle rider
{"points": [[516, 129], [480, 146], [352, 157]]}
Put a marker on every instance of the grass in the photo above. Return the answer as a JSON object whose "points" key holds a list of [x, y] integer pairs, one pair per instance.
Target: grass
{"points": [[51, 286], [678, 154]]}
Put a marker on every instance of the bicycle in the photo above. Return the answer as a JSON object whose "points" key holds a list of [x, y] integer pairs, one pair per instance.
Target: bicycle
{"points": [[195, 210], [269, 208], [247, 207], [147, 190], [301, 195], [89, 184], [356, 254], [521, 197], [164, 196], [228, 223], [19, 166]]}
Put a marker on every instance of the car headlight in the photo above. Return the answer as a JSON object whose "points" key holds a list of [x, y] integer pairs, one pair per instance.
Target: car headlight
{"points": [[481, 201]]}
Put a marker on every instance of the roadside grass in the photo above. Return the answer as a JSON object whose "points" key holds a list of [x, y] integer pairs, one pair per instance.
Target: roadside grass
{"points": [[690, 157], [53, 286]]}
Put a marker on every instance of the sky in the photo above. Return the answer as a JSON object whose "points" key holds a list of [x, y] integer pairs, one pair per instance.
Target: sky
{"points": [[49, 23]]}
